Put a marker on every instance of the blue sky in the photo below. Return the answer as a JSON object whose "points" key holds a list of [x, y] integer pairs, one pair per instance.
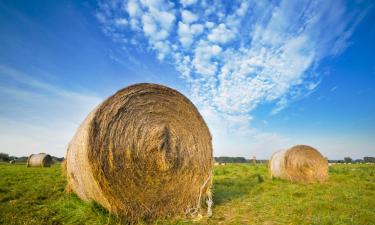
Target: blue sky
{"points": [[264, 74]]}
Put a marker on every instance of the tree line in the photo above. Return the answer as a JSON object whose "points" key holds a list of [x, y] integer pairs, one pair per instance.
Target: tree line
{"points": [[4, 157]]}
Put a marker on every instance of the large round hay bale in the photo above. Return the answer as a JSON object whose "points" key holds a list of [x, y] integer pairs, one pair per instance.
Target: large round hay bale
{"points": [[300, 163], [41, 159], [144, 153]]}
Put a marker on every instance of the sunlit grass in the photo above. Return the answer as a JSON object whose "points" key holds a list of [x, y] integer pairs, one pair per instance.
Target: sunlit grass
{"points": [[243, 194]]}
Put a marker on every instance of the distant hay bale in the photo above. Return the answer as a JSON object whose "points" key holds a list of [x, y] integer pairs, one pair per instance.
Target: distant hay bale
{"points": [[144, 153], [41, 160], [300, 163]]}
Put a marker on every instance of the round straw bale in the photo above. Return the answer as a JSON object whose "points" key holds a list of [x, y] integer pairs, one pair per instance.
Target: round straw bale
{"points": [[144, 153], [41, 159], [300, 163]]}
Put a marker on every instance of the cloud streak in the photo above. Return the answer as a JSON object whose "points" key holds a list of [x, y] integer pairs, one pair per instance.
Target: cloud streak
{"points": [[37, 116]]}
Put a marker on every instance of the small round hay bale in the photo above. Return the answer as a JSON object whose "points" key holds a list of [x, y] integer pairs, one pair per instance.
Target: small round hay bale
{"points": [[300, 163], [144, 153], [41, 160]]}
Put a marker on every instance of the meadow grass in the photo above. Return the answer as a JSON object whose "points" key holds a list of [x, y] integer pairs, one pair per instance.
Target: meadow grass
{"points": [[243, 194]]}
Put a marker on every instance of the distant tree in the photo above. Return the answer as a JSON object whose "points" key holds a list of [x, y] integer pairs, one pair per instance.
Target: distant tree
{"points": [[348, 160], [225, 159], [369, 159], [12, 157], [4, 157], [58, 159], [22, 159]]}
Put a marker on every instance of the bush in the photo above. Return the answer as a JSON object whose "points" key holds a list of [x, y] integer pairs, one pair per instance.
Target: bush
{"points": [[348, 160], [4, 157]]}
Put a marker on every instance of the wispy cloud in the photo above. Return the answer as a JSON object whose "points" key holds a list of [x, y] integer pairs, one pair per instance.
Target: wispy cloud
{"points": [[334, 88], [237, 56], [38, 116]]}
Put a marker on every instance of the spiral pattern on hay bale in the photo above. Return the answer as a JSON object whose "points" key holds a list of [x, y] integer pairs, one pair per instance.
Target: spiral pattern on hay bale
{"points": [[300, 163], [144, 153]]}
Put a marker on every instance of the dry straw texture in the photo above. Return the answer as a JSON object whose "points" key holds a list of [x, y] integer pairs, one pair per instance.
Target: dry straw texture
{"points": [[41, 159], [300, 163], [144, 153]]}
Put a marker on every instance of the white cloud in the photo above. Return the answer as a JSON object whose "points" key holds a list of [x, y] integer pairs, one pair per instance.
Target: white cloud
{"points": [[121, 22], [149, 26], [203, 58], [242, 10], [163, 49], [187, 33], [221, 34], [196, 29], [184, 34], [134, 11], [100, 17], [188, 2], [133, 8], [251, 53], [188, 17], [209, 24]]}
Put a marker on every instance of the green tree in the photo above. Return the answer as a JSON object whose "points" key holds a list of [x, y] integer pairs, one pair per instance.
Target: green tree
{"points": [[4, 157], [348, 160]]}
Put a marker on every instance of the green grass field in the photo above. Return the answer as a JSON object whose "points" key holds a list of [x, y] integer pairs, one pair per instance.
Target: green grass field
{"points": [[243, 194]]}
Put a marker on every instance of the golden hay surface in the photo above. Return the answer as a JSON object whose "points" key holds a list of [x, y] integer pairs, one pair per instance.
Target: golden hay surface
{"points": [[41, 159], [144, 153], [300, 163]]}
